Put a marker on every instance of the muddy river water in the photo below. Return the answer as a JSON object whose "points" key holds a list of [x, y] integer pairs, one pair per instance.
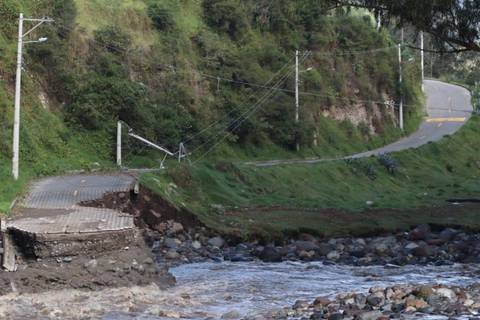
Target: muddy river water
{"points": [[210, 290]]}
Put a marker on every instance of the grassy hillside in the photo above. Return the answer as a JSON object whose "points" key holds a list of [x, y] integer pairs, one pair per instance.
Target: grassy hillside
{"points": [[357, 196], [156, 64]]}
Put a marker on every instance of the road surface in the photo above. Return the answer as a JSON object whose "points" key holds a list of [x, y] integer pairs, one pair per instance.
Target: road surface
{"points": [[448, 109], [52, 205]]}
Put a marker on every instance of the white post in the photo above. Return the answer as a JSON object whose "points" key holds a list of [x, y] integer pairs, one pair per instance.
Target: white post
{"points": [[379, 22], [119, 143], [422, 62], [16, 119], [297, 99], [400, 82]]}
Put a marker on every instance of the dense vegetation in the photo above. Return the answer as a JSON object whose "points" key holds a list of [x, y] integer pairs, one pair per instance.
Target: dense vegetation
{"points": [[182, 71]]}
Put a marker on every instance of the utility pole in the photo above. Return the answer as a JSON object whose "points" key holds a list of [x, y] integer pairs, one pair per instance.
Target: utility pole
{"points": [[400, 111], [422, 61], [297, 99], [16, 119], [119, 143]]}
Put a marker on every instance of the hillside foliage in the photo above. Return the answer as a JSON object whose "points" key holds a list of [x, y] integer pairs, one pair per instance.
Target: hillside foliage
{"points": [[182, 71]]}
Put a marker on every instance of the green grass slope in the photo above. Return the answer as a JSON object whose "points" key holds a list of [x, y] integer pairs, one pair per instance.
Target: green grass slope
{"points": [[333, 198]]}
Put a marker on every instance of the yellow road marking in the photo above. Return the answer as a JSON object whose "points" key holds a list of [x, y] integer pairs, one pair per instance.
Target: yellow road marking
{"points": [[446, 119]]}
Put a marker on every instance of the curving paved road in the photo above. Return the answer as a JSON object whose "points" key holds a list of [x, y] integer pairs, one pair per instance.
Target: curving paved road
{"points": [[448, 108]]}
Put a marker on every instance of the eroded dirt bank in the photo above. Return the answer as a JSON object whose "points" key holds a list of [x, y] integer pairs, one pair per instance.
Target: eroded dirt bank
{"points": [[131, 266]]}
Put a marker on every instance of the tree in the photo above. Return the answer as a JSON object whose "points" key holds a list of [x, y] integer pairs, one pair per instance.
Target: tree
{"points": [[454, 23]]}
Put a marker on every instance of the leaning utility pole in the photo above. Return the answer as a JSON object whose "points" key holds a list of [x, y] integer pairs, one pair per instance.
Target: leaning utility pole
{"points": [[400, 111], [297, 99], [16, 119], [422, 57]]}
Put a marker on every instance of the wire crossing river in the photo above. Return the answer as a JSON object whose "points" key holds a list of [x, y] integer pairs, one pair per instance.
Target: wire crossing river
{"points": [[211, 290]]}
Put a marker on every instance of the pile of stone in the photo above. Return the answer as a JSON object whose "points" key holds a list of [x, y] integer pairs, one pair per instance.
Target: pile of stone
{"points": [[391, 303], [419, 246], [173, 244]]}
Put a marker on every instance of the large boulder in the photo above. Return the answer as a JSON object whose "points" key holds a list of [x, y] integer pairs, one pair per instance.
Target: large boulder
{"points": [[270, 254], [376, 299], [446, 293], [333, 255], [324, 248], [421, 232], [448, 234], [171, 243], [423, 250], [217, 242], [305, 246], [370, 315], [176, 227]]}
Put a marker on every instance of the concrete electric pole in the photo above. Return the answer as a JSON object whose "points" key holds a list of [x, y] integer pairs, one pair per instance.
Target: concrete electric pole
{"points": [[422, 62], [119, 143], [400, 111], [16, 120], [297, 98]]}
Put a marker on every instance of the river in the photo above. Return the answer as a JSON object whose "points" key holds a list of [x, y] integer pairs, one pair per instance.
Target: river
{"points": [[209, 290]]}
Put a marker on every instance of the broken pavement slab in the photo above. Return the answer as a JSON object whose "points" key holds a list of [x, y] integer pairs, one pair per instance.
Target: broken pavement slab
{"points": [[51, 221]]}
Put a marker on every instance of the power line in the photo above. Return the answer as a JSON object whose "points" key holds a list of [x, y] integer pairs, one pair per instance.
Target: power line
{"points": [[247, 114], [232, 111]]}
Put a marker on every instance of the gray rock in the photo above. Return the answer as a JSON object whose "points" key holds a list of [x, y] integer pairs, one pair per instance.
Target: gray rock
{"points": [[421, 232], [423, 250], [376, 299], [301, 304], [446, 293], [305, 246], [196, 245], [306, 255], [324, 248], [371, 315], [176, 227], [448, 234], [91, 265], [411, 246], [381, 248], [232, 315], [333, 255], [216, 242], [172, 255], [270, 254], [171, 243], [335, 316]]}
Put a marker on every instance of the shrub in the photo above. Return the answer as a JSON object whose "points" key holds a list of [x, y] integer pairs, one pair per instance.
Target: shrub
{"points": [[113, 39], [9, 15], [162, 17], [388, 162], [226, 16]]}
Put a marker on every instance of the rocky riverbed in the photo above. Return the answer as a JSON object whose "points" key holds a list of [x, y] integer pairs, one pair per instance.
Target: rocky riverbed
{"points": [[174, 245], [394, 302], [409, 274]]}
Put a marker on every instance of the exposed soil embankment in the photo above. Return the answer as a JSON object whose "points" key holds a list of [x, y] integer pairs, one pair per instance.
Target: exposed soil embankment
{"points": [[149, 209], [130, 266]]}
